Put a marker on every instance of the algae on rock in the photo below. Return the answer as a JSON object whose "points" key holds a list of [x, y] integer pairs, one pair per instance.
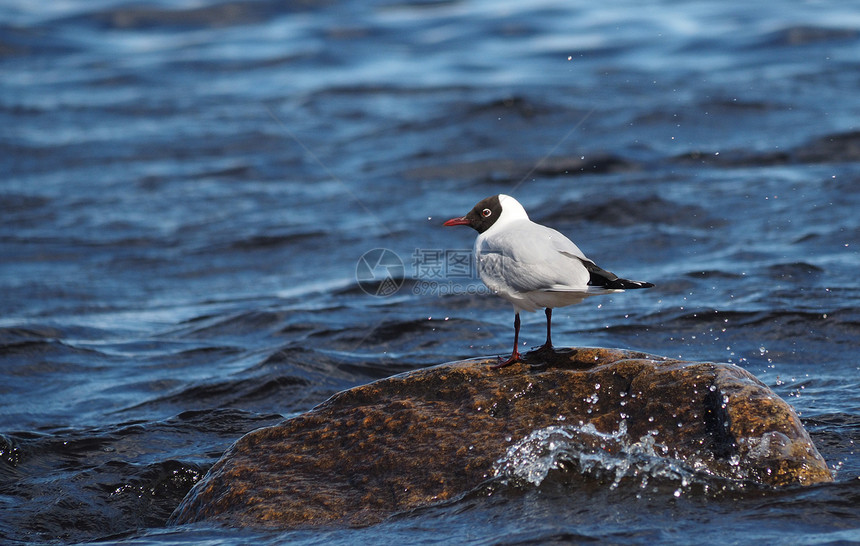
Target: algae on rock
{"points": [[429, 435]]}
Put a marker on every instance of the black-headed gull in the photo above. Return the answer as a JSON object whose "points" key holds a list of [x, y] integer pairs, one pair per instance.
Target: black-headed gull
{"points": [[532, 266]]}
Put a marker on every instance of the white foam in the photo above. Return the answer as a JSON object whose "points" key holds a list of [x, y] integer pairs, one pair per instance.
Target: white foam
{"points": [[594, 453]]}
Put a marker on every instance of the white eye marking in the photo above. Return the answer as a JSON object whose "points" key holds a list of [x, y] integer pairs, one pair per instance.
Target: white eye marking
{"points": [[486, 213]]}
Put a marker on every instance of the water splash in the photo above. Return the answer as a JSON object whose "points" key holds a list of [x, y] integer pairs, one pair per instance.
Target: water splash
{"points": [[601, 455]]}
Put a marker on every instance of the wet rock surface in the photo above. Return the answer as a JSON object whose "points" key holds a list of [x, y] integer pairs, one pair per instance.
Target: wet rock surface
{"points": [[429, 435]]}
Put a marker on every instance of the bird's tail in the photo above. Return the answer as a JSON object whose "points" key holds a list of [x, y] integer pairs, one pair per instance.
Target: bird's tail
{"points": [[626, 284], [609, 280]]}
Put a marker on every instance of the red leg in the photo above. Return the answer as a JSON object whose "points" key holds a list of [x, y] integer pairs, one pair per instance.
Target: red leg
{"points": [[515, 356], [548, 344]]}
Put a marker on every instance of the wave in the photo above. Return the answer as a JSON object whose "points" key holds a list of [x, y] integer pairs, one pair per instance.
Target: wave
{"points": [[614, 458], [235, 393], [833, 148], [269, 242], [141, 17], [236, 324], [590, 452], [626, 212], [751, 319], [113, 479], [802, 35], [500, 170]]}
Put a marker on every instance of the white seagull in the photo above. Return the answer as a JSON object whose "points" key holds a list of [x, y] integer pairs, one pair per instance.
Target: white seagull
{"points": [[532, 266]]}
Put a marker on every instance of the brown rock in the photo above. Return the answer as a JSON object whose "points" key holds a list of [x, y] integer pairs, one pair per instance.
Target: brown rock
{"points": [[429, 435]]}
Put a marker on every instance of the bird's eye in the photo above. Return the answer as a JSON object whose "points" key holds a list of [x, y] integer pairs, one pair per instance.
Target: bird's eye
{"points": [[486, 213]]}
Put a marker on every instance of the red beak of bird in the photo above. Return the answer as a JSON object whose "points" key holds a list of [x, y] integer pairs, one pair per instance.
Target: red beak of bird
{"points": [[462, 221]]}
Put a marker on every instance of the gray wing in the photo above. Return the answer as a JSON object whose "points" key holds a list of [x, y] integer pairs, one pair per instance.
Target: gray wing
{"points": [[530, 257]]}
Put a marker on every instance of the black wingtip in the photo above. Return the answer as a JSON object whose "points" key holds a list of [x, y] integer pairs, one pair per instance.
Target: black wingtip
{"points": [[625, 284], [607, 279]]}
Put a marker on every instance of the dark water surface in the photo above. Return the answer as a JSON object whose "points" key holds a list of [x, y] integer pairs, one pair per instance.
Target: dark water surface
{"points": [[188, 189]]}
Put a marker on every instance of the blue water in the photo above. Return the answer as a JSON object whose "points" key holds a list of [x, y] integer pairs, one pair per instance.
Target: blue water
{"points": [[188, 188]]}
